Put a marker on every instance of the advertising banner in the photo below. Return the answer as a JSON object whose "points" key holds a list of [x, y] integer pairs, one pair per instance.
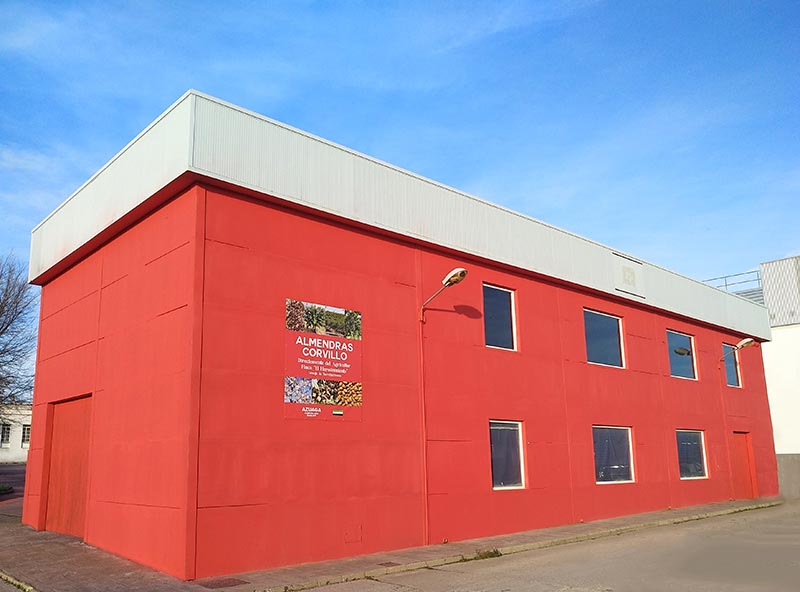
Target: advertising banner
{"points": [[322, 365]]}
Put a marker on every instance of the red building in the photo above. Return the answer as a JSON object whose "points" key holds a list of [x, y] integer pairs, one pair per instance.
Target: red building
{"points": [[233, 373]]}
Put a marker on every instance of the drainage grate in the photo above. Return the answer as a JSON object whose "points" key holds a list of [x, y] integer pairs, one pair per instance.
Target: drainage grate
{"points": [[222, 583]]}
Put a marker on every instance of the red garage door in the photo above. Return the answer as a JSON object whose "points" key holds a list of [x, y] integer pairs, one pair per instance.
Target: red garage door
{"points": [[742, 468], [69, 467]]}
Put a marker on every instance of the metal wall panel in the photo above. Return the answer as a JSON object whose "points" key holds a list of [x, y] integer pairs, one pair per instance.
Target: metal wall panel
{"points": [[151, 160], [249, 150], [781, 284], [253, 151]]}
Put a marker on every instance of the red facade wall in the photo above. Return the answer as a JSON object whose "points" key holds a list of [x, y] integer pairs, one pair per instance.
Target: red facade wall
{"points": [[320, 490], [118, 326], [316, 489], [176, 328]]}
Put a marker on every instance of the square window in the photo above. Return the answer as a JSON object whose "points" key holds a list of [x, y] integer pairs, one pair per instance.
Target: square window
{"points": [[498, 317], [731, 357], [603, 338], [26, 435], [681, 354], [612, 454], [505, 438], [691, 454], [5, 435]]}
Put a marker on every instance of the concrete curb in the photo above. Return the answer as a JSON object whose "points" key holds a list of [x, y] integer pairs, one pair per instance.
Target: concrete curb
{"points": [[9, 579], [509, 550]]}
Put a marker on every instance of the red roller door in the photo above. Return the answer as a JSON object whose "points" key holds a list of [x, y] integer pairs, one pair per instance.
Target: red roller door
{"points": [[69, 464], [741, 467]]}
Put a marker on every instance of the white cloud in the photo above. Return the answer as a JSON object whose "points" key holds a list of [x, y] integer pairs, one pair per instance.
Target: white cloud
{"points": [[34, 182], [464, 24], [25, 28], [22, 159]]}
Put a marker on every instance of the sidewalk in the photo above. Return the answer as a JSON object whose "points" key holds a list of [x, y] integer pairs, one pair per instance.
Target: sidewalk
{"points": [[49, 562]]}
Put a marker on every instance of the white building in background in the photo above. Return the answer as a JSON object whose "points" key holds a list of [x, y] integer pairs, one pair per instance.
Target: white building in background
{"points": [[777, 285], [15, 433], [781, 285]]}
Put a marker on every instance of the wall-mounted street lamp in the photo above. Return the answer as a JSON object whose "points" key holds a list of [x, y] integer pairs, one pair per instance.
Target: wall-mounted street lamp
{"points": [[451, 279], [746, 342]]}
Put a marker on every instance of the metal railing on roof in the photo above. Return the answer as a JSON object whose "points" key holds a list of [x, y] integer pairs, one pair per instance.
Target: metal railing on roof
{"points": [[746, 284], [737, 282]]}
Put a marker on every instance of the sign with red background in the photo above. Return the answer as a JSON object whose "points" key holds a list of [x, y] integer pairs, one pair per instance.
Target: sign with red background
{"points": [[322, 362]]}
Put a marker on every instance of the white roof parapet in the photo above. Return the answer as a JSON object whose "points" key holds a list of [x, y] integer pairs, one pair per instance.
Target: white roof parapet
{"points": [[207, 136]]}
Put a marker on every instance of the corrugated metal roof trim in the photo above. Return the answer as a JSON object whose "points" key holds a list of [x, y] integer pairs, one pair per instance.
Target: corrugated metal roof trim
{"points": [[151, 160], [373, 161], [253, 151]]}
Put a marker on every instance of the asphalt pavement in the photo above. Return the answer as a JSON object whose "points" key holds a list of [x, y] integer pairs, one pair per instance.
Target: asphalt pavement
{"points": [[733, 546], [14, 475], [743, 552]]}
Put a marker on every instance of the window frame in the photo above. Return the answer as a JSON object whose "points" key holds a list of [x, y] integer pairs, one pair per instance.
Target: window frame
{"points": [[737, 366], [622, 356], [691, 351], [5, 435], [513, 303], [26, 430], [703, 450], [629, 429], [520, 447]]}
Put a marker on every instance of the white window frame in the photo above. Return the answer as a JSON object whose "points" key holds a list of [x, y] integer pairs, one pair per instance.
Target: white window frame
{"points": [[630, 454], [691, 351], [523, 477], [513, 317], [5, 442], [22, 442], [738, 366], [621, 341], [705, 459]]}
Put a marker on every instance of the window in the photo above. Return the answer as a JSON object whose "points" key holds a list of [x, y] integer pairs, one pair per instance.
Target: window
{"points": [[5, 435], [26, 435], [603, 338], [505, 438], [498, 317], [612, 454], [731, 356], [681, 354], [691, 454]]}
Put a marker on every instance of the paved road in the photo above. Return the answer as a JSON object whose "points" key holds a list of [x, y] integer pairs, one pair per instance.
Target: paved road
{"points": [[747, 552], [6, 587], [14, 475]]}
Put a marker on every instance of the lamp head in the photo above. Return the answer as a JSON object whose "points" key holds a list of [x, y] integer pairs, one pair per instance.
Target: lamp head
{"points": [[455, 276], [746, 342], [682, 351]]}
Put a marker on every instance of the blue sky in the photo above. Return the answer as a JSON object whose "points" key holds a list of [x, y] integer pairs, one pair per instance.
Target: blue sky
{"points": [[669, 130]]}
